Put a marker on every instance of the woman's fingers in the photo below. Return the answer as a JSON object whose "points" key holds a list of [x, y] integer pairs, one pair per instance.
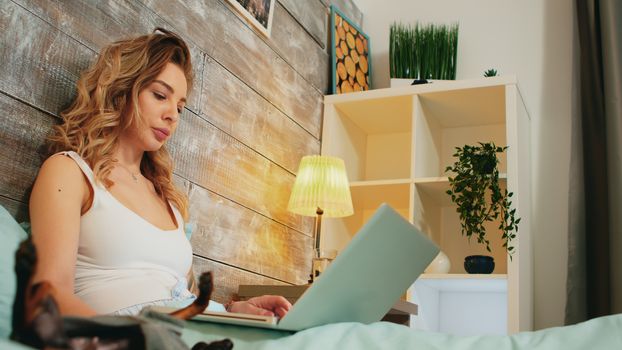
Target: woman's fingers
{"points": [[266, 305]]}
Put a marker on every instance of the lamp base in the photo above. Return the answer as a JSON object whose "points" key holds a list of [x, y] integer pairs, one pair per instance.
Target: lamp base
{"points": [[321, 259]]}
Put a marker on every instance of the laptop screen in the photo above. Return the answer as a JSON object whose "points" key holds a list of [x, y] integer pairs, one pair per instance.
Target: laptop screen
{"points": [[379, 264]]}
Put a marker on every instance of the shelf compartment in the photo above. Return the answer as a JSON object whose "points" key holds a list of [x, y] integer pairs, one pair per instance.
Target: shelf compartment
{"points": [[437, 217], [466, 107], [366, 198], [374, 137], [450, 119], [461, 304], [436, 188]]}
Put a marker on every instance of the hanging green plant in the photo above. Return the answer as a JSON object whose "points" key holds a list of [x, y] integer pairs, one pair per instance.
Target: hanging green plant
{"points": [[423, 52], [474, 188]]}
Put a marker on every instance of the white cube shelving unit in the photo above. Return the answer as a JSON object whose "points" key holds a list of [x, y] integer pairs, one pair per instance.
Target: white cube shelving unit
{"points": [[396, 144], [461, 304]]}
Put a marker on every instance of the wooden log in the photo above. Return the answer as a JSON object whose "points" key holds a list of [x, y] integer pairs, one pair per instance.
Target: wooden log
{"points": [[227, 232], [353, 30], [359, 46], [312, 15], [338, 53], [346, 87], [363, 64], [355, 56], [346, 27], [344, 48], [96, 26], [360, 77], [228, 278], [224, 36], [291, 41], [350, 66], [341, 33], [236, 109], [341, 71], [209, 157]]}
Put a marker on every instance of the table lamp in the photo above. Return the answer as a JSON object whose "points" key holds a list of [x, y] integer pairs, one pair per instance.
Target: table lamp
{"points": [[321, 189]]}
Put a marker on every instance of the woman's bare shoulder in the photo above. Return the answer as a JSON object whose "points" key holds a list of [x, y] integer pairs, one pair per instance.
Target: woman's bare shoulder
{"points": [[60, 182], [59, 169]]}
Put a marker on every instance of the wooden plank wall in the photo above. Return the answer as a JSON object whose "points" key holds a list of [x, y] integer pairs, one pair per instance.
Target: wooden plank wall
{"points": [[255, 111]]}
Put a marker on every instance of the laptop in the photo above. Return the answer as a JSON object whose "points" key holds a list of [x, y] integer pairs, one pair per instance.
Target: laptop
{"points": [[381, 261]]}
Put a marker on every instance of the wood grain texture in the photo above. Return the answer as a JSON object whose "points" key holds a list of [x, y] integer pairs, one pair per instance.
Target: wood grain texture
{"points": [[40, 65], [348, 8], [299, 49], [96, 24], [181, 183], [225, 37], [229, 233], [312, 16], [255, 110], [208, 157], [18, 210], [22, 139], [227, 278], [239, 111]]}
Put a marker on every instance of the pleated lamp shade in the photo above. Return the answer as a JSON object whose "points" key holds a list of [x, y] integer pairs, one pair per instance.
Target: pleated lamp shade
{"points": [[321, 182]]}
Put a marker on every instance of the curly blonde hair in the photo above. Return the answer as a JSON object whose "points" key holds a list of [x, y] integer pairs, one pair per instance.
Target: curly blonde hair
{"points": [[107, 104]]}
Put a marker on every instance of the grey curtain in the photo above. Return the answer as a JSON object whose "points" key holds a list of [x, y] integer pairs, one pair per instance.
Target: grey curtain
{"points": [[595, 250]]}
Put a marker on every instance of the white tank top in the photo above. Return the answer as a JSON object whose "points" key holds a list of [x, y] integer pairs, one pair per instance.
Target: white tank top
{"points": [[124, 260]]}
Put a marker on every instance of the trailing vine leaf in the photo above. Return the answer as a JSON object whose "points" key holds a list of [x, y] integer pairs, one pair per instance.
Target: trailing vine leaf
{"points": [[474, 188]]}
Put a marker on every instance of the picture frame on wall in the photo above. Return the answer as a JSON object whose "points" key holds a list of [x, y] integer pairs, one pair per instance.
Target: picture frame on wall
{"points": [[350, 59], [258, 13]]}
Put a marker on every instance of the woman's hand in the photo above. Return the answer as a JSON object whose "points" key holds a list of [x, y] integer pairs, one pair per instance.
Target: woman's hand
{"points": [[265, 305]]}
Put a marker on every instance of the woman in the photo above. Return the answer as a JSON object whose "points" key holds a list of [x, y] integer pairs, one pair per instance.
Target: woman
{"points": [[107, 221]]}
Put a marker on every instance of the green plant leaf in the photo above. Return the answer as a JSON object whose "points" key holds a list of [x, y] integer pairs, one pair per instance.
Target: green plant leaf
{"points": [[476, 192]]}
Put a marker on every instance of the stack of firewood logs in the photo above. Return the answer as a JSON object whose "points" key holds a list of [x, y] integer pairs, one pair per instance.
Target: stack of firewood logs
{"points": [[352, 55]]}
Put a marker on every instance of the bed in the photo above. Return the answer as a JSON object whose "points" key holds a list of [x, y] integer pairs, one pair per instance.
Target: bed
{"points": [[600, 333]]}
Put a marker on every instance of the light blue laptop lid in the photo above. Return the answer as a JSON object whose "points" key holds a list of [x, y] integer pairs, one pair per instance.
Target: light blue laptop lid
{"points": [[382, 260]]}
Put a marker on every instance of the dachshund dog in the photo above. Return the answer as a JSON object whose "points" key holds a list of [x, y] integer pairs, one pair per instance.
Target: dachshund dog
{"points": [[37, 321]]}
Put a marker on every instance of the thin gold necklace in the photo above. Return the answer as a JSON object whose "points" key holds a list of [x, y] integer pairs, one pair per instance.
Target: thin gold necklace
{"points": [[134, 176]]}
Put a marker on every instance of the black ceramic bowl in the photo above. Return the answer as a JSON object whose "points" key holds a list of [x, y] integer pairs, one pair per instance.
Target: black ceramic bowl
{"points": [[479, 264]]}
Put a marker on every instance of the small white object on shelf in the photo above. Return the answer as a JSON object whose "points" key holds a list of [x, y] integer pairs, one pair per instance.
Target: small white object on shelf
{"points": [[440, 264]]}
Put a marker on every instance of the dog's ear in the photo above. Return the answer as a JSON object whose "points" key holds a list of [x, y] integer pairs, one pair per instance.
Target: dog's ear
{"points": [[206, 285], [25, 262]]}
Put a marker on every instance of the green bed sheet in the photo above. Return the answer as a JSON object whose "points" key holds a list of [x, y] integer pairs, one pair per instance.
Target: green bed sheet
{"points": [[604, 333]]}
